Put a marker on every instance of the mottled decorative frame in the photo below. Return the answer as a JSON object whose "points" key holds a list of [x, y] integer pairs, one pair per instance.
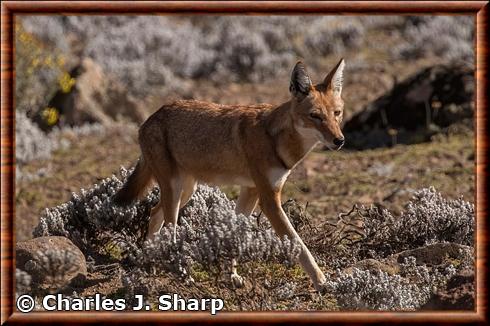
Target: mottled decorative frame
{"points": [[9, 9]]}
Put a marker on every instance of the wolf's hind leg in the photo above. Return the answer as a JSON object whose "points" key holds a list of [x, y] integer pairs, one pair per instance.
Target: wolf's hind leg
{"points": [[171, 203], [245, 205], [156, 216], [189, 185], [168, 207], [246, 201]]}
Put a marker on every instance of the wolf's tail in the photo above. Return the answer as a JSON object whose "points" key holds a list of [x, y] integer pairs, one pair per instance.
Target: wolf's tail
{"points": [[134, 185]]}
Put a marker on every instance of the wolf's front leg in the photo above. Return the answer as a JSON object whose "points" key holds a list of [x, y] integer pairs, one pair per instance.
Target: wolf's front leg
{"points": [[270, 202]]}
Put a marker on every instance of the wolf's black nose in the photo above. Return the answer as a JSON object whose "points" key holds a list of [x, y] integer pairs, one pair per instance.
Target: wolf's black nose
{"points": [[339, 141]]}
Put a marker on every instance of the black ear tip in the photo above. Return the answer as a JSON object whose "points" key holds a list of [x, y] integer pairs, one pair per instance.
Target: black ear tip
{"points": [[300, 81]]}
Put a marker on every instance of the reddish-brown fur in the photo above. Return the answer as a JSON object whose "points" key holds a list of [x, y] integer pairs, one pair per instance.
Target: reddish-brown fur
{"points": [[254, 146]]}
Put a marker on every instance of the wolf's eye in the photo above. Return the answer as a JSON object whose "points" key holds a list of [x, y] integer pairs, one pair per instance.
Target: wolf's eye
{"points": [[337, 113], [316, 116]]}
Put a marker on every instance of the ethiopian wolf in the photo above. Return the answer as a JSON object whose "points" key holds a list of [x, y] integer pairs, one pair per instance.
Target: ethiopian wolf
{"points": [[254, 146]]}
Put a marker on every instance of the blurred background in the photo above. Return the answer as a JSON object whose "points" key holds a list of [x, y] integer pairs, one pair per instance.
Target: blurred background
{"points": [[83, 84]]}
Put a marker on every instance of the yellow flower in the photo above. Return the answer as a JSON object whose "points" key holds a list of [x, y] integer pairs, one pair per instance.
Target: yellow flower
{"points": [[61, 60], [66, 82], [48, 61], [35, 62], [25, 37], [50, 116]]}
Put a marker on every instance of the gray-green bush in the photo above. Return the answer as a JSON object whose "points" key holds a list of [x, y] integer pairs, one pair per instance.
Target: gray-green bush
{"points": [[209, 231], [428, 218], [147, 52], [210, 234]]}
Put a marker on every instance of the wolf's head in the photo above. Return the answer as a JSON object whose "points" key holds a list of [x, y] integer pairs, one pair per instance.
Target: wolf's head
{"points": [[318, 109]]}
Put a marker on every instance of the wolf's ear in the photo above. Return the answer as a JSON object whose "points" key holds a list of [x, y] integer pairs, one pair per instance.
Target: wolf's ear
{"points": [[300, 84], [335, 78]]}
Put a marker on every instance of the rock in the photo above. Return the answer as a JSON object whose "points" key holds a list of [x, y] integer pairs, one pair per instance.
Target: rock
{"points": [[51, 261], [459, 293], [373, 265], [415, 109], [435, 254], [94, 97]]}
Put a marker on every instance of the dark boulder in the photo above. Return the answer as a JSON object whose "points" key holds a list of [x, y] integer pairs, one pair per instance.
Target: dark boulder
{"points": [[459, 294], [415, 108]]}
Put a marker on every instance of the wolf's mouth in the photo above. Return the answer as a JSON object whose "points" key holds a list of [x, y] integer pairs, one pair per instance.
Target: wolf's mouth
{"points": [[332, 147]]}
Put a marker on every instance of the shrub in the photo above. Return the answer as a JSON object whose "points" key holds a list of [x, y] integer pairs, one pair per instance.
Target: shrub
{"points": [[377, 290], [447, 37], [30, 141], [40, 68], [334, 35], [22, 282], [163, 51], [428, 218], [48, 29], [366, 290], [210, 233]]}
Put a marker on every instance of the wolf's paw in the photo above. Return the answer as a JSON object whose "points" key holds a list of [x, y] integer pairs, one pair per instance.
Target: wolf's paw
{"points": [[321, 285], [237, 281], [322, 288], [189, 280]]}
